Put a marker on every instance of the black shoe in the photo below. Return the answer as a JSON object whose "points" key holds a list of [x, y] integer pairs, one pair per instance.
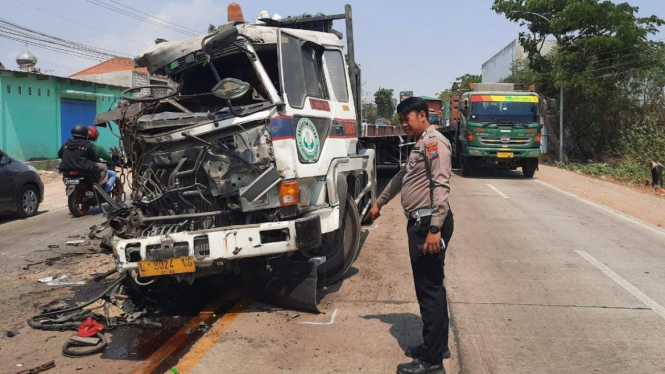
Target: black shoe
{"points": [[419, 367], [416, 350]]}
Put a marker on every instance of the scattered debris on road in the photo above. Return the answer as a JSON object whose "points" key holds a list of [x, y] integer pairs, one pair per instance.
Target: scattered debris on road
{"points": [[77, 242], [39, 369], [58, 281]]}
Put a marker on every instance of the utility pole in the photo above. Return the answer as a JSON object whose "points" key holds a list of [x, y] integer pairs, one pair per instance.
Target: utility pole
{"points": [[561, 124]]}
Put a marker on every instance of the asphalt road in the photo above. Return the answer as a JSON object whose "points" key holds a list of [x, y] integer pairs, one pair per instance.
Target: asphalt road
{"points": [[539, 281]]}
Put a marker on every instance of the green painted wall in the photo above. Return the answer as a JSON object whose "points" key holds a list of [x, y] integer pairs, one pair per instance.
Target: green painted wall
{"points": [[30, 121]]}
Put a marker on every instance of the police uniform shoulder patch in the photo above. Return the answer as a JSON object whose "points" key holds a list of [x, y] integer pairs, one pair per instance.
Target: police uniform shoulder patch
{"points": [[432, 150]]}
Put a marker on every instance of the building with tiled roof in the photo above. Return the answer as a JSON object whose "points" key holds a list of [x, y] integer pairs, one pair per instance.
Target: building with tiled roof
{"points": [[120, 71]]}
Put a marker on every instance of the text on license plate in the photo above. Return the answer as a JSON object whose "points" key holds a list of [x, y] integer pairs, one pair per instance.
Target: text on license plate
{"points": [[168, 266], [71, 181], [505, 155]]}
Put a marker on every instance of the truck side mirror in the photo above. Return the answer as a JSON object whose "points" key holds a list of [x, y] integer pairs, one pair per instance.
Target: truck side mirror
{"points": [[461, 105]]}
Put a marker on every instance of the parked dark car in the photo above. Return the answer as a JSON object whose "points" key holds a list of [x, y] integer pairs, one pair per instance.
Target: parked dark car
{"points": [[21, 189]]}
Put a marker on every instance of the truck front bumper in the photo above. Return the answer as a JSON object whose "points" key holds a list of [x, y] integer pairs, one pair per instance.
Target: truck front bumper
{"points": [[214, 246], [493, 152]]}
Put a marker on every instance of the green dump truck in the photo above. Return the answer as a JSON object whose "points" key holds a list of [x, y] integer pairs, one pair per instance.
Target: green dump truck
{"points": [[494, 126]]}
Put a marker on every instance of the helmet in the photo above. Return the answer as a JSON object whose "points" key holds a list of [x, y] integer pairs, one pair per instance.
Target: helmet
{"points": [[93, 134], [80, 132]]}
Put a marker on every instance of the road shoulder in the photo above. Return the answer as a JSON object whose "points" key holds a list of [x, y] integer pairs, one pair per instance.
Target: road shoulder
{"points": [[640, 205]]}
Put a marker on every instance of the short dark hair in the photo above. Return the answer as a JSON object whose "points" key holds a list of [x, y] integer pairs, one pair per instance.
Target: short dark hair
{"points": [[412, 104]]}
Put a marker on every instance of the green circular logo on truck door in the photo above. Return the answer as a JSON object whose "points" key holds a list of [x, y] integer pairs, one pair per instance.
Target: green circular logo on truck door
{"points": [[307, 140]]}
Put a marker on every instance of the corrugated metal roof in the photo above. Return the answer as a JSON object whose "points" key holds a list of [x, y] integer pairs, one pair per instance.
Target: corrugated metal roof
{"points": [[110, 66]]}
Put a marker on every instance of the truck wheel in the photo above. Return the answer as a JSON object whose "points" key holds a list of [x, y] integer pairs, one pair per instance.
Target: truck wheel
{"points": [[529, 167], [465, 166], [340, 247]]}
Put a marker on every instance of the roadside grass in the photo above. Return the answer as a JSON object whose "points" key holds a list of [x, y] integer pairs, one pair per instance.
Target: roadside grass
{"points": [[50, 165], [622, 171]]}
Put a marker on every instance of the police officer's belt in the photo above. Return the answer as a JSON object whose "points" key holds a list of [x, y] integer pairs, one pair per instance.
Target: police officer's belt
{"points": [[420, 213]]}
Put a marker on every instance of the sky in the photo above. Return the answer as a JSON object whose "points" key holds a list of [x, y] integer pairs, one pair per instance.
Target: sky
{"points": [[417, 45]]}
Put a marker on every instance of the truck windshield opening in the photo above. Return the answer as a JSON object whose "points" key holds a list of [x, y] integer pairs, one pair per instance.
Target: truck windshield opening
{"points": [[488, 111]]}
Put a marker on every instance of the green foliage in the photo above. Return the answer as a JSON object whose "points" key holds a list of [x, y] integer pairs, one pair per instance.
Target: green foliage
{"points": [[369, 112], [642, 142], [464, 81], [624, 171], [469, 78], [395, 120], [385, 103], [612, 74]]}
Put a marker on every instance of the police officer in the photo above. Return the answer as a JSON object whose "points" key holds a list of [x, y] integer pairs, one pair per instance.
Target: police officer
{"points": [[424, 183]]}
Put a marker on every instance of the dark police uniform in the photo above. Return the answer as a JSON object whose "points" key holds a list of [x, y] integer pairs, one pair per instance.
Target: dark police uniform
{"points": [[425, 184]]}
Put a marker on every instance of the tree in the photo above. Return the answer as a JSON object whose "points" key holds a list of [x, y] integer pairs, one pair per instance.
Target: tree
{"points": [[385, 103], [603, 53], [369, 112], [469, 78], [464, 81]]}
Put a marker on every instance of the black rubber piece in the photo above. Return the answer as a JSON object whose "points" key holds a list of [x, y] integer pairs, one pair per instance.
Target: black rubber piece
{"points": [[68, 352]]}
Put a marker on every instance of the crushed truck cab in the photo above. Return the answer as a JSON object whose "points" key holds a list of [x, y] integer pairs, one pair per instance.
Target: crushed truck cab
{"points": [[253, 154]]}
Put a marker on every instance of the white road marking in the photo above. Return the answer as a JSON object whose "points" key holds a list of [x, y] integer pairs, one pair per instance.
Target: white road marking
{"points": [[497, 191], [616, 213], [651, 303], [332, 320]]}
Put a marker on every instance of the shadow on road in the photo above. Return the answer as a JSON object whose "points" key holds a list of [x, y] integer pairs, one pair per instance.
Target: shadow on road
{"points": [[406, 328], [493, 174]]}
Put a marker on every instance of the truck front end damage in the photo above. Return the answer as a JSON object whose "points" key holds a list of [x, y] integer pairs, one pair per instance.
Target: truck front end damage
{"points": [[229, 176]]}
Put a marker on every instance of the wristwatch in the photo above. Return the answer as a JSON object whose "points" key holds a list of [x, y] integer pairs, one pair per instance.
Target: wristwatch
{"points": [[434, 229]]}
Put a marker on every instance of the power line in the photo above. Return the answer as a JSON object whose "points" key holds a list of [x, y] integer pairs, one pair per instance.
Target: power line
{"points": [[621, 49], [615, 66], [41, 59], [626, 71], [80, 23], [53, 49], [140, 18], [30, 33], [196, 32], [32, 40]]}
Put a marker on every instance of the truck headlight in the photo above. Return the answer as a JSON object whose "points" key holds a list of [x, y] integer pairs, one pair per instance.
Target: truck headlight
{"points": [[535, 153], [475, 152]]}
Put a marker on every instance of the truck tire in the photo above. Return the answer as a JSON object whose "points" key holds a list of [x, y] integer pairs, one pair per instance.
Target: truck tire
{"points": [[340, 247], [529, 167]]}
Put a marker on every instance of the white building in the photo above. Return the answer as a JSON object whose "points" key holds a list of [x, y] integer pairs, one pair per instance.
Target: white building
{"points": [[498, 68]]}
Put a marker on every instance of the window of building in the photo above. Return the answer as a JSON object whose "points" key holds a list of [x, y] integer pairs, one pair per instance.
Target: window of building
{"points": [[39, 92], [9, 89], [29, 91], [337, 73], [19, 90], [48, 92]]}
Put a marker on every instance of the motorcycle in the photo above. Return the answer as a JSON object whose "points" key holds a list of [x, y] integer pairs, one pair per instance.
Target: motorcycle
{"points": [[83, 192]]}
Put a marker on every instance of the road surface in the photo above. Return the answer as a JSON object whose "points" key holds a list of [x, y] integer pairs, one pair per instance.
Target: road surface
{"points": [[539, 281]]}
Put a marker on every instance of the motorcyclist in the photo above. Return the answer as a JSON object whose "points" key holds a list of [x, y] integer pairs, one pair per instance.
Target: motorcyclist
{"points": [[79, 154], [103, 156]]}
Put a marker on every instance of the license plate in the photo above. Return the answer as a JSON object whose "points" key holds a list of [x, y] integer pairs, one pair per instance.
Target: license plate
{"points": [[505, 155], [72, 181], [168, 266]]}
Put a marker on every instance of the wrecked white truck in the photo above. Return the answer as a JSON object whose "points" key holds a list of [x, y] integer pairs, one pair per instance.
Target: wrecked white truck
{"points": [[251, 165]]}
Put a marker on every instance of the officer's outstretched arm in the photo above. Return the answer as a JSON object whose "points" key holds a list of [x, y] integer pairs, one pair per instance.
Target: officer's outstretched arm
{"points": [[439, 154]]}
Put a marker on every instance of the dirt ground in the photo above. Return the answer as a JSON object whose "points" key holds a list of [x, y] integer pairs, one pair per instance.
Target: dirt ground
{"points": [[640, 202]]}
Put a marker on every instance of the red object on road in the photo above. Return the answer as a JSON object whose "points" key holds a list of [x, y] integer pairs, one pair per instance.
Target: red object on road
{"points": [[89, 327]]}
